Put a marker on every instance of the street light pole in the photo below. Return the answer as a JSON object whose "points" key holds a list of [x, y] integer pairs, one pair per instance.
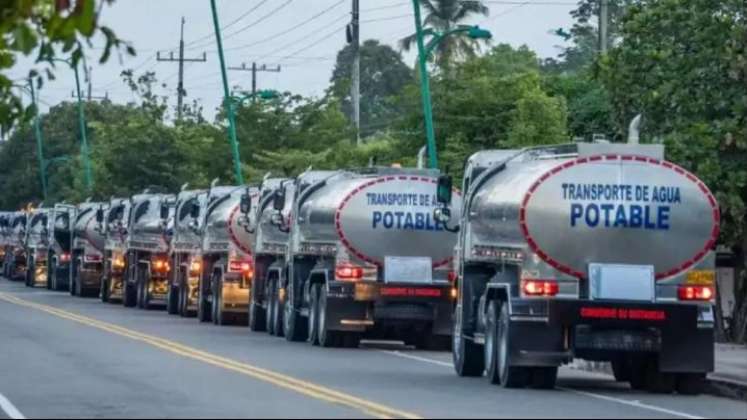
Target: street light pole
{"points": [[83, 135], [227, 100], [425, 88], [39, 141]]}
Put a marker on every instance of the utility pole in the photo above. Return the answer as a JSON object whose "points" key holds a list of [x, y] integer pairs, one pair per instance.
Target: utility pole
{"points": [[604, 25], [255, 69], [39, 140], [355, 89], [181, 93]]}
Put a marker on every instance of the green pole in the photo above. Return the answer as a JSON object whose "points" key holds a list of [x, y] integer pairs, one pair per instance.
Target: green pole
{"points": [[39, 142], [425, 89], [228, 102], [83, 137]]}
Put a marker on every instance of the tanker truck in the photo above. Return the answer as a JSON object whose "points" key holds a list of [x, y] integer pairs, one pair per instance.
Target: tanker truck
{"points": [[88, 251], [186, 252], [60, 239], [4, 239], [366, 259], [227, 263], [270, 246], [147, 250], [602, 252], [112, 220], [14, 268], [36, 244]]}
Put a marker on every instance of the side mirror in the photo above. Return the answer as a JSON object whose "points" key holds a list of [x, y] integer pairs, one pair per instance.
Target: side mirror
{"points": [[279, 202], [100, 215], [194, 212], [164, 211], [246, 203], [444, 189]]}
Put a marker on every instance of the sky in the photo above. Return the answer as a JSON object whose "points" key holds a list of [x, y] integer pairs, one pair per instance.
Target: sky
{"points": [[301, 36]]}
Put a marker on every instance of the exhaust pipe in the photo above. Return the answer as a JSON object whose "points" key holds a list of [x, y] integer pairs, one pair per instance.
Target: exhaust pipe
{"points": [[634, 131], [421, 157]]}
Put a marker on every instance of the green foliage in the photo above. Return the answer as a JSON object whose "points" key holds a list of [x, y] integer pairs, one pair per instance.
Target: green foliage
{"points": [[383, 75], [46, 27], [442, 16]]}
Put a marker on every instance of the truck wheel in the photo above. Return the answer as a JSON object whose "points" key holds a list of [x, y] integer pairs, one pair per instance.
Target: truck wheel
{"points": [[658, 382], [544, 377], [129, 294], [638, 375], [105, 290], [79, 289], [203, 306], [327, 338], [314, 315], [277, 312], [257, 314], [31, 272], [621, 369], [172, 300], [219, 315], [467, 356], [294, 326], [498, 349], [52, 276], [271, 307], [691, 383]]}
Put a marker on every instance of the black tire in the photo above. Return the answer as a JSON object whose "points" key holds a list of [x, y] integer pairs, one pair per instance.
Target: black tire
{"points": [[184, 295], [468, 357], [271, 307], [621, 369], [257, 314], [219, 315], [638, 375], [79, 290], [326, 338], [500, 325], [56, 283], [691, 383], [105, 292], [314, 315], [172, 300], [52, 276], [129, 294], [658, 382], [204, 307], [544, 377], [31, 272], [295, 327], [71, 285]]}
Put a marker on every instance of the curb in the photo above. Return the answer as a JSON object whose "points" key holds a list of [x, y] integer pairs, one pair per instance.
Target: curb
{"points": [[715, 386]]}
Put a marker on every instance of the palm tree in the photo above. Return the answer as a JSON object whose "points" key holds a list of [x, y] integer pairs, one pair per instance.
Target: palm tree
{"points": [[442, 16]]}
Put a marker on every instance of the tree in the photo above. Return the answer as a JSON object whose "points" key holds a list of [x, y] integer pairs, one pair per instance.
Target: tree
{"points": [[42, 27], [442, 16], [683, 65], [383, 75]]}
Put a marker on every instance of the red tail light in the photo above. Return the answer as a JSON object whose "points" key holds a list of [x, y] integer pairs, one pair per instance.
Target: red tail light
{"points": [[537, 287], [348, 272], [65, 257], [238, 266], [696, 293]]}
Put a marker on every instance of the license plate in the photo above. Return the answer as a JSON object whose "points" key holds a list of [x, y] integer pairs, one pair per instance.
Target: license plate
{"points": [[622, 282], [418, 270]]}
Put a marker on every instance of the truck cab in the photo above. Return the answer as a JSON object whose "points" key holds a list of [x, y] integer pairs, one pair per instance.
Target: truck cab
{"points": [[186, 252], [36, 244], [88, 250], [112, 220], [15, 264], [147, 249], [60, 239]]}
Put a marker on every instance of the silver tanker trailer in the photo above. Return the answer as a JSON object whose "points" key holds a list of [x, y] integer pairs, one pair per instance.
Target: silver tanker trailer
{"points": [[227, 263], [147, 250], [60, 240], [186, 245], [113, 220], [4, 238], [601, 252], [36, 244], [366, 259], [88, 250], [270, 247], [15, 250]]}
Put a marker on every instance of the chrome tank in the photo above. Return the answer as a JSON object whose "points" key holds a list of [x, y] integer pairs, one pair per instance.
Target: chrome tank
{"points": [[187, 236], [270, 239], [17, 229], [60, 228], [147, 231], [87, 230], [5, 218], [597, 203], [225, 230], [387, 212]]}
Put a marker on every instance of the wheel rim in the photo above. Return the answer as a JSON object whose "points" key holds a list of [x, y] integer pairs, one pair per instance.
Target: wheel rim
{"points": [[490, 343], [323, 314], [313, 316], [457, 338]]}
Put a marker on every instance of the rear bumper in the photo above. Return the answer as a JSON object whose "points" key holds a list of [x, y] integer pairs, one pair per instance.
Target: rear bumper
{"points": [[365, 306], [605, 331]]}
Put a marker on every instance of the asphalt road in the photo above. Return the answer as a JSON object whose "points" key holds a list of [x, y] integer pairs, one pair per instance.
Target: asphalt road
{"points": [[68, 357]]}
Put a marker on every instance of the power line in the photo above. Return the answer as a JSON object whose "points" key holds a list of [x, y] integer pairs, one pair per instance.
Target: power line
{"points": [[211, 35]]}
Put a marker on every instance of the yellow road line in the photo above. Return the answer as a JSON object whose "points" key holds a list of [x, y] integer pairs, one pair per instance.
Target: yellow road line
{"points": [[303, 387]]}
